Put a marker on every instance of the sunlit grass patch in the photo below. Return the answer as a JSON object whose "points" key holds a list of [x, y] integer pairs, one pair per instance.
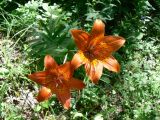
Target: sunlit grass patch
{"points": [[13, 81]]}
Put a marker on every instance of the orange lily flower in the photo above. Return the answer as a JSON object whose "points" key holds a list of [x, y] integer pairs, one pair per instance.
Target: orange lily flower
{"points": [[95, 50], [56, 80]]}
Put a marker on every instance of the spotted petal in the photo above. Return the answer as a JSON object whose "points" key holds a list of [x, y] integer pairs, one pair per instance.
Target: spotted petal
{"points": [[107, 46], [98, 28], [81, 39], [50, 63], [94, 70], [65, 70], [78, 60], [111, 64], [114, 42], [39, 77], [64, 97]]}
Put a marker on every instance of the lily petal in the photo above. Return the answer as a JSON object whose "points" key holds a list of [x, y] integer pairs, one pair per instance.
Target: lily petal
{"points": [[114, 42], [78, 60], [76, 84], [50, 63], [101, 51], [94, 70], [96, 41], [65, 70], [64, 97], [39, 77], [111, 64], [98, 28], [81, 38], [44, 94], [107, 46]]}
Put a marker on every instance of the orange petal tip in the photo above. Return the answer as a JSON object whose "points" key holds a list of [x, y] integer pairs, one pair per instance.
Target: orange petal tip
{"points": [[111, 64], [99, 25], [31, 76], [44, 94], [49, 62], [67, 104], [98, 22], [74, 31]]}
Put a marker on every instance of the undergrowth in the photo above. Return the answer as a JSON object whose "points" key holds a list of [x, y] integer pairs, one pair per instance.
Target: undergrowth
{"points": [[37, 28]]}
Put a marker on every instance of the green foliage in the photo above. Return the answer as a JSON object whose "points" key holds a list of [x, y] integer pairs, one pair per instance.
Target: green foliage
{"points": [[51, 38], [35, 29], [44, 27]]}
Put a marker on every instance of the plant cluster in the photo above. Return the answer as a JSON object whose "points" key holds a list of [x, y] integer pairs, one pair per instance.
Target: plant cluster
{"points": [[95, 51]]}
